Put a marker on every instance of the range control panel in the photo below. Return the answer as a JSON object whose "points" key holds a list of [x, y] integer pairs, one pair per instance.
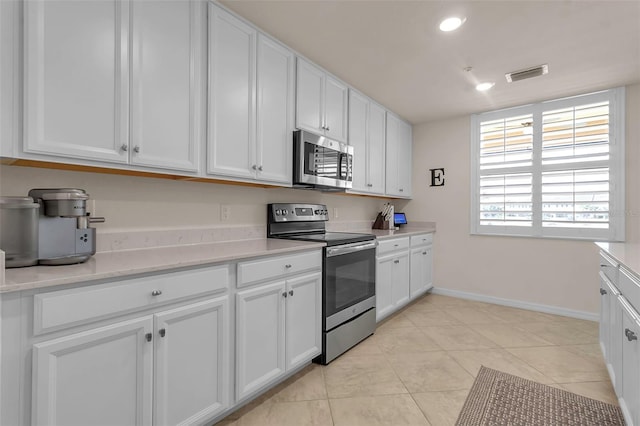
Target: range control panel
{"points": [[292, 212]]}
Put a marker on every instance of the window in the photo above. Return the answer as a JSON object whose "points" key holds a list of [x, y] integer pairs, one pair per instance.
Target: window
{"points": [[553, 169]]}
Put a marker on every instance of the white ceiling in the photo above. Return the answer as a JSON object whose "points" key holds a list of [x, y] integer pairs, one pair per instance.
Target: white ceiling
{"points": [[393, 51]]}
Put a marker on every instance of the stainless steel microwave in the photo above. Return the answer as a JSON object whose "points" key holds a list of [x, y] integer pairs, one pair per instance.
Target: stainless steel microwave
{"points": [[321, 163]]}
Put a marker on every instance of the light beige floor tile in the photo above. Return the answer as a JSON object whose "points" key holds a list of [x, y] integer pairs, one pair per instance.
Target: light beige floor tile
{"points": [[559, 333], [515, 315], [430, 371], [592, 328], [453, 338], [444, 301], [361, 376], [397, 321], [396, 410], [300, 413], [474, 316], [602, 391], [431, 318], [367, 347], [405, 340], [307, 385], [563, 364], [498, 359], [509, 336], [441, 408]]}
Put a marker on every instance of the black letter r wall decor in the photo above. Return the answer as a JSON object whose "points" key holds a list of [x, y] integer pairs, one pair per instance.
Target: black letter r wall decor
{"points": [[437, 177]]}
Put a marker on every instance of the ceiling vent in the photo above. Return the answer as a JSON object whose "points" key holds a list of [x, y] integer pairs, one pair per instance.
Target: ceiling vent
{"points": [[527, 73]]}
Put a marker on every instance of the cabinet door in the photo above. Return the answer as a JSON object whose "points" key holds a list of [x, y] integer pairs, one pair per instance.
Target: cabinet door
{"points": [[391, 151], [405, 149], [101, 376], [358, 112], [400, 280], [605, 319], [275, 85], [309, 97], [166, 84], [420, 277], [304, 319], [260, 337], [375, 148], [335, 109], [630, 401], [76, 79], [192, 362], [232, 87], [384, 286]]}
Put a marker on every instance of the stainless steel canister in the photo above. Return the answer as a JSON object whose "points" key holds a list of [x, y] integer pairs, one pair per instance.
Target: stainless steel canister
{"points": [[19, 231]]}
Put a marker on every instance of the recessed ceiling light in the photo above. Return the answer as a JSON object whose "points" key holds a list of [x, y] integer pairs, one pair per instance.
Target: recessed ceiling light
{"points": [[483, 87], [450, 24]]}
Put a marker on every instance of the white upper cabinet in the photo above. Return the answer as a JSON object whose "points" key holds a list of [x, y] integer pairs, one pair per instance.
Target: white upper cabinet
{"points": [[250, 102], [367, 136], [399, 157], [321, 102], [77, 79], [114, 81]]}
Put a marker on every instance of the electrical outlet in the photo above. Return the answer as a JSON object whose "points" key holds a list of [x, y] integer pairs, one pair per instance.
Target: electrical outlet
{"points": [[335, 212], [225, 212]]}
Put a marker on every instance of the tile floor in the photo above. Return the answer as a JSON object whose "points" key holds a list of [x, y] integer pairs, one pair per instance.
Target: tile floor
{"points": [[419, 365]]}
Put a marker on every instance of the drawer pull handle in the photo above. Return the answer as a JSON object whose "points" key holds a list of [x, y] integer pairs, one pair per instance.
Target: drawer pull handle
{"points": [[396, 245], [287, 266], [604, 266], [284, 294], [424, 252], [630, 335], [148, 336], [603, 291], [290, 292], [162, 332], [396, 261], [156, 292]]}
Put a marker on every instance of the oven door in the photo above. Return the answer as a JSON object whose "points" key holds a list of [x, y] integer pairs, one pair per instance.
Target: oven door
{"points": [[350, 281]]}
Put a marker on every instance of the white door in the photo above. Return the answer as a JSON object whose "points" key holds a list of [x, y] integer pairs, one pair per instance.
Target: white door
{"points": [[375, 148], [630, 401], [166, 84], [391, 151], [192, 362], [335, 109], [309, 97], [275, 109], [97, 377], [76, 79], [405, 148], [304, 319], [260, 326], [358, 111], [400, 279], [384, 285], [232, 88]]}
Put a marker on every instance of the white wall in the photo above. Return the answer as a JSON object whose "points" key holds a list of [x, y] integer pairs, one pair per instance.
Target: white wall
{"points": [[136, 203], [560, 273]]}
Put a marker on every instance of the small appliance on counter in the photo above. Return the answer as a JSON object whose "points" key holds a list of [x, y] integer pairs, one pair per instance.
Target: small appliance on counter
{"points": [[64, 233], [19, 231]]}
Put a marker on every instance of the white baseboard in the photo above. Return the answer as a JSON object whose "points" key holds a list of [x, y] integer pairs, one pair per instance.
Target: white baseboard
{"points": [[548, 309]]}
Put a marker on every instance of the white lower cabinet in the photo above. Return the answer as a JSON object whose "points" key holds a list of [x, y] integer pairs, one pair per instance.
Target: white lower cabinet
{"points": [[392, 276], [169, 368], [277, 329], [630, 332], [421, 265]]}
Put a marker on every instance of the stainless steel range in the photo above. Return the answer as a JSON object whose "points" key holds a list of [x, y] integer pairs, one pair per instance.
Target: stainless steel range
{"points": [[348, 274]]}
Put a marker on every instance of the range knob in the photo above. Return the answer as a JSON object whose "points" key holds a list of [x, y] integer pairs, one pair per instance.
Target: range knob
{"points": [[316, 211], [324, 212], [278, 212], [284, 212]]}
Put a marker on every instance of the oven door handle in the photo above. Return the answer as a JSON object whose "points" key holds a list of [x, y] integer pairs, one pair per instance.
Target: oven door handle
{"points": [[351, 248]]}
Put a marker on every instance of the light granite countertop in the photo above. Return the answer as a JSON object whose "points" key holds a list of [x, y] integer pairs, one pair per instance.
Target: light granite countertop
{"points": [[627, 254], [115, 264], [383, 234]]}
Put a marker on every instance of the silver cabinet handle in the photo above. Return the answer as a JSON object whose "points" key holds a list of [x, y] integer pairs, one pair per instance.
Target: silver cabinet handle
{"points": [[603, 291], [290, 292], [284, 294], [162, 332], [396, 261], [259, 168], [630, 335], [327, 129], [401, 190], [396, 245], [124, 148], [148, 336], [156, 292], [254, 167], [136, 149], [369, 185], [287, 266], [424, 252]]}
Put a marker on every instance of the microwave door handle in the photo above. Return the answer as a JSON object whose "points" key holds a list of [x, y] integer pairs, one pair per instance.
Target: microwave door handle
{"points": [[340, 156]]}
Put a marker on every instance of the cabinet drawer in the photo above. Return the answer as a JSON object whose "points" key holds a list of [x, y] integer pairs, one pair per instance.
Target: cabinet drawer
{"points": [[629, 287], [421, 240], [272, 267], [388, 246], [609, 267], [64, 308]]}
